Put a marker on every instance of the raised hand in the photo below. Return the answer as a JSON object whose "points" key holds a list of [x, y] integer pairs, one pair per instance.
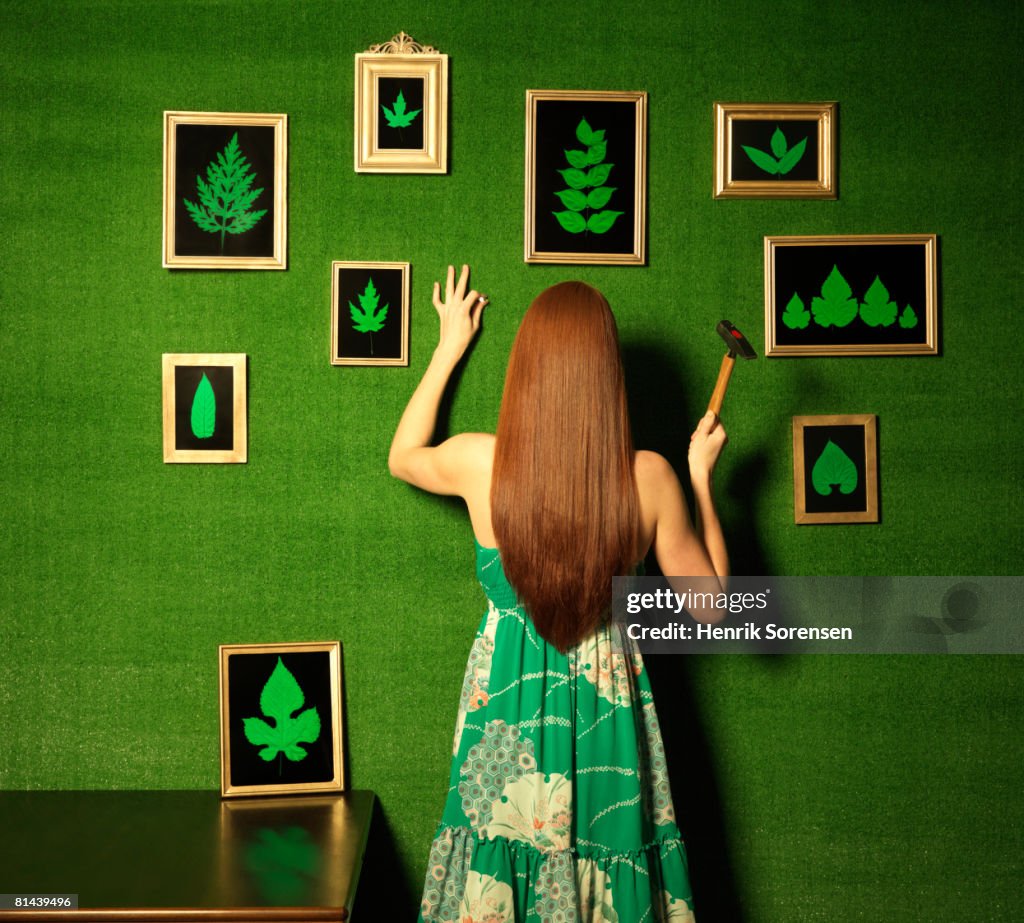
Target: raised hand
{"points": [[459, 313]]}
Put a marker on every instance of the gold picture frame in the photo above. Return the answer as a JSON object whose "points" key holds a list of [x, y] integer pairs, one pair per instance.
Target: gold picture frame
{"points": [[574, 140], [841, 484], [754, 158], [361, 307], [396, 133], [302, 751], [851, 295], [204, 408], [198, 148]]}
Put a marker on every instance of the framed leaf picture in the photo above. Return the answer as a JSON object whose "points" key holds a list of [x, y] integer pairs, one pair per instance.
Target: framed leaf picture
{"points": [[225, 190], [280, 718], [369, 313], [853, 295], [401, 108], [586, 177], [835, 468], [775, 151], [204, 407]]}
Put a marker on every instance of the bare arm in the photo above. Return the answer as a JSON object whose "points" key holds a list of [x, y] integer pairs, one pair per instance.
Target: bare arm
{"points": [[439, 469]]}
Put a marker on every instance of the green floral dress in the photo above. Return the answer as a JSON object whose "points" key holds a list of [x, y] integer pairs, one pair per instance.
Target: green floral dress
{"points": [[559, 808]]}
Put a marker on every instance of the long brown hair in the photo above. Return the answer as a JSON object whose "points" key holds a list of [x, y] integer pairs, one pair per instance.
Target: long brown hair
{"points": [[564, 501]]}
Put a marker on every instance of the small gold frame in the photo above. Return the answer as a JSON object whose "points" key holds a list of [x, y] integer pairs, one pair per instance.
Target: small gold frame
{"points": [[238, 453], [338, 356], [334, 720], [824, 187], [399, 58], [869, 422], [637, 255], [929, 345], [278, 259]]}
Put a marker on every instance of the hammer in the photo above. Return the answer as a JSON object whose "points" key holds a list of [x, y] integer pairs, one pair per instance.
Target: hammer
{"points": [[736, 344]]}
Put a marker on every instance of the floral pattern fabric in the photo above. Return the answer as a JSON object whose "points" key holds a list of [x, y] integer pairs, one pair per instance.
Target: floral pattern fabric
{"points": [[558, 808]]}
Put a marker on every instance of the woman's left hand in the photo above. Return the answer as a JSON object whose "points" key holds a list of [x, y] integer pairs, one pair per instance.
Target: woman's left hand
{"points": [[459, 312]]}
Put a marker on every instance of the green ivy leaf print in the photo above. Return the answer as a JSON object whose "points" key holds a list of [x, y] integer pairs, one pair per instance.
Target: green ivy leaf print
{"points": [[397, 117], [226, 196], [785, 157], [796, 316], [578, 178], [280, 697], [908, 319], [204, 410], [835, 307], [834, 467], [877, 310], [367, 318]]}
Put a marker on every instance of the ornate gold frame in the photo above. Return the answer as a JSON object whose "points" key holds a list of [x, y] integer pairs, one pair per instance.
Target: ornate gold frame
{"points": [[279, 259], [337, 359], [870, 423], [639, 254], [824, 187], [236, 455], [401, 57], [931, 314], [337, 783]]}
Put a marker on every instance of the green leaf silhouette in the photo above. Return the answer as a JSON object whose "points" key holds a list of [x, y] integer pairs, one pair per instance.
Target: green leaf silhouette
{"points": [[792, 157], [598, 174], [835, 307], [796, 316], [765, 161], [596, 152], [877, 310], [584, 133], [366, 318], [577, 159], [573, 222], [204, 410], [908, 318], [397, 117], [599, 222], [779, 145], [573, 199], [280, 697], [226, 195], [577, 179], [598, 198], [834, 467]]}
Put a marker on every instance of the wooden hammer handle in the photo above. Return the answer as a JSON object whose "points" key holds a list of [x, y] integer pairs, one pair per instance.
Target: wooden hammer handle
{"points": [[718, 395]]}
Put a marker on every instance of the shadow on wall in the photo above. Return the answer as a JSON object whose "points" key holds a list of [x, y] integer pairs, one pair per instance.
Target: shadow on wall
{"points": [[665, 405], [384, 893]]}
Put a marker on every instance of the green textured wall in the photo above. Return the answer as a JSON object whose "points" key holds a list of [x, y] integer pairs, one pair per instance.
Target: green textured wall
{"points": [[810, 789]]}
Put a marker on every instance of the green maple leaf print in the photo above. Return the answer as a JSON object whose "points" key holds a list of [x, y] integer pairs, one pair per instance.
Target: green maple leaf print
{"points": [[877, 310], [796, 316], [226, 196], [835, 307], [397, 117], [834, 467], [785, 157], [280, 697], [367, 318], [204, 410], [908, 319]]}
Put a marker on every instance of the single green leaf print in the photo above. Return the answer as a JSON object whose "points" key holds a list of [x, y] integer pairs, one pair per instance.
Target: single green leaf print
{"points": [[596, 153], [834, 468], [835, 307], [779, 145], [280, 697], [598, 198], [600, 222], [573, 199], [573, 222], [792, 157], [226, 196], [598, 174], [577, 159], [765, 161], [877, 310], [584, 133], [396, 116], [204, 410], [908, 319], [367, 318], [577, 179], [796, 316]]}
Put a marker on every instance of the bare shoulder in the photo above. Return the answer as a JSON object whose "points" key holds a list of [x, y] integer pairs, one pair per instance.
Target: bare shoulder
{"points": [[475, 448], [653, 471]]}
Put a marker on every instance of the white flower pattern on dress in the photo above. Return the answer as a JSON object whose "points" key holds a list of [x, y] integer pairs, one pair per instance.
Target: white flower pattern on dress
{"points": [[604, 663], [673, 910], [595, 893], [535, 808], [486, 900]]}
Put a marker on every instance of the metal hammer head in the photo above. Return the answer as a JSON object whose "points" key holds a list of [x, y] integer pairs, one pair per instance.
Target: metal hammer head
{"points": [[735, 341]]}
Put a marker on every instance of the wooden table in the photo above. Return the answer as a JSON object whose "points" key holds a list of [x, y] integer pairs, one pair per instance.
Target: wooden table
{"points": [[184, 855]]}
